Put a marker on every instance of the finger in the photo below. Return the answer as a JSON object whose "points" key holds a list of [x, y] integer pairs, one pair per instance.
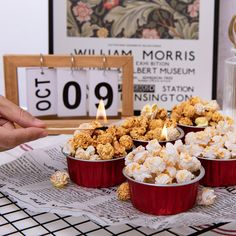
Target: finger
{"points": [[9, 125], [12, 138], [12, 112]]}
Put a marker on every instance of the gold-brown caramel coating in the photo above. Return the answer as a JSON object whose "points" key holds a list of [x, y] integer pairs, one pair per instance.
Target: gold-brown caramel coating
{"points": [[216, 117], [106, 152], [137, 131], [82, 140], [104, 138], [185, 121], [119, 150], [123, 192], [189, 111], [156, 123], [126, 141]]}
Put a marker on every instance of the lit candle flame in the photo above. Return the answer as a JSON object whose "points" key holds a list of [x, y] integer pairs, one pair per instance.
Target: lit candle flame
{"points": [[101, 112], [164, 133]]}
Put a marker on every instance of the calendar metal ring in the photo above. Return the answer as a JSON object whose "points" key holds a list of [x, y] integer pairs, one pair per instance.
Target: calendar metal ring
{"points": [[72, 62]]}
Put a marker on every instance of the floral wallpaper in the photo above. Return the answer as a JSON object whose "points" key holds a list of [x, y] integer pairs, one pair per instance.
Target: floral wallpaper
{"points": [[154, 19]]}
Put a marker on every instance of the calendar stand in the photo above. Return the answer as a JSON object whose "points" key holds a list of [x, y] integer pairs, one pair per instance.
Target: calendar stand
{"points": [[125, 63]]}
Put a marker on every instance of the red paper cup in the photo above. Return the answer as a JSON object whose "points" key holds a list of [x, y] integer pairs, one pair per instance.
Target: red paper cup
{"points": [[162, 143], [164, 199], [189, 128], [219, 173], [96, 174]]}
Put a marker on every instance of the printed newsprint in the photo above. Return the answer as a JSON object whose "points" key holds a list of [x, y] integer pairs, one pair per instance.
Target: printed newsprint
{"points": [[26, 180]]}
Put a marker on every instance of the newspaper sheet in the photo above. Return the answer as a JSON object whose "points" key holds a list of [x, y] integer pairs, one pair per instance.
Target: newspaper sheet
{"points": [[26, 180]]}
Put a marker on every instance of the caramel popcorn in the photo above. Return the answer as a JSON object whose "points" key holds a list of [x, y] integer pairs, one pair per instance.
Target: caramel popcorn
{"points": [[185, 121], [106, 152], [126, 141], [104, 138], [59, 179], [197, 112], [119, 150], [82, 140], [156, 123], [136, 132], [123, 192], [189, 111]]}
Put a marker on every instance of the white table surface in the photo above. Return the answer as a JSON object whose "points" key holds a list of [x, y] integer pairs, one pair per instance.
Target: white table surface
{"points": [[15, 220]]}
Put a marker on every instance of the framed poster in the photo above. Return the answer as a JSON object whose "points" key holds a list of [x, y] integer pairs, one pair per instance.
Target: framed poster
{"points": [[172, 42]]}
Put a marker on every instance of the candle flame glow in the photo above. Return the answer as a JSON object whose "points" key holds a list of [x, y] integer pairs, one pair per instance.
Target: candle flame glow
{"points": [[164, 133], [101, 112]]}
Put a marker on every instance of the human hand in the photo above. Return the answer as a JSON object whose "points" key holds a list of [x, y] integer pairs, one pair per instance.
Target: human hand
{"points": [[32, 128]]}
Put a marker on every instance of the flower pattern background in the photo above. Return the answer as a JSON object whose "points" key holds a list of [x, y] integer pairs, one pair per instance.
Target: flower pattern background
{"points": [[154, 19]]}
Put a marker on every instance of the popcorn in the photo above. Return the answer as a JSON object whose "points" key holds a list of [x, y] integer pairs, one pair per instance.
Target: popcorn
{"points": [[82, 154], [189, 163], [106, 152], [131, 168], [173, 133], [69, 148], [123, 192], [210, 152], [201, 121], [119, 150], [163, 179], [206, 197], [105, 138], [126, 141], [82, 140], [183, 176], [140, 173], [171, 171], [155, 164], [197, 112], [59, 179], [199, 108], [141, 157], [154, 147], [169, 155]]}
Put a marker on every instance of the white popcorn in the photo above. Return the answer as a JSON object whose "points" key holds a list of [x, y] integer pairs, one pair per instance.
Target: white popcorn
{"points": [[155, 164], [95, 157], [212, 105], [190, 138], [129, 158], [170, 154], [141, 157], [223, 153], [189, 163], [82, 154], [223, 127], [171, 171], [149, 111], [69, 148], [154, 147], [163, 179], [218, 141], [142, 173], [59, 179], [210, 152], [199, 108], [90, 150], [183, 176], [195, 150], [173, 133], [131, 168], [180, 147], [138, 149], [206, 197]]}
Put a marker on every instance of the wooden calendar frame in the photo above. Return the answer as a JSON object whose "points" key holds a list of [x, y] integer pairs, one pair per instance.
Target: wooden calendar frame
{"points": [[13, 62]]}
